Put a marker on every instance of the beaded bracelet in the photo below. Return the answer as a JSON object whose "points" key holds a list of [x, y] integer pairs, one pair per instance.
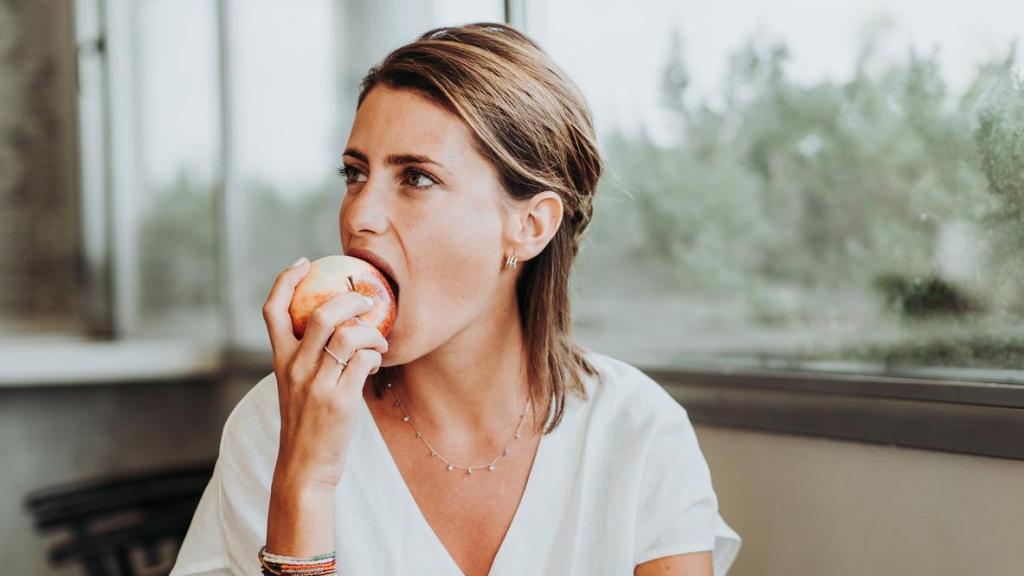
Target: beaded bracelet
{"points": [[279, 565]]}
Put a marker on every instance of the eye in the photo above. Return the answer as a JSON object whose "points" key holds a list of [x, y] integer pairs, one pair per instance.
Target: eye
{"points": [[418, 176], [349, 173]]}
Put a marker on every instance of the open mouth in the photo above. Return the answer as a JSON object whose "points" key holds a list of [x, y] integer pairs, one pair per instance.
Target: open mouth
{"points": [[378, 263], [391, 283]]}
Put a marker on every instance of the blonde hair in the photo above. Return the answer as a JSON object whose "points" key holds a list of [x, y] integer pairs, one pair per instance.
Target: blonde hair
{"points": [[533, 124]]}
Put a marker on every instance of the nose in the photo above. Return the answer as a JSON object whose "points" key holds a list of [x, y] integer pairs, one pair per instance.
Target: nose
{"points": [[364, 210]]}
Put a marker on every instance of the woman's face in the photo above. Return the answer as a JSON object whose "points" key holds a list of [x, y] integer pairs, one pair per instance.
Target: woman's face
{"points": [[420, 198]]}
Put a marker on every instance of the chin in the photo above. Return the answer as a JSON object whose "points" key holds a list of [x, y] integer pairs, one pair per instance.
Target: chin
{"points": [[388, 361], [402, 349], [396, 354]]}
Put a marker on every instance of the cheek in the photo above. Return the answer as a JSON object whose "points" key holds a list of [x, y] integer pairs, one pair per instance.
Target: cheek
{"points": [[460, 262]]}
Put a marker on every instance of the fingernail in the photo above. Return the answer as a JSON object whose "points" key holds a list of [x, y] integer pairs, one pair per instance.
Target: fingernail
{"points": [[300, 262], [369, 301]]}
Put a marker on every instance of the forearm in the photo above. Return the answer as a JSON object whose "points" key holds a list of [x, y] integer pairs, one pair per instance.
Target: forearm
{"points": [[300, 520]]}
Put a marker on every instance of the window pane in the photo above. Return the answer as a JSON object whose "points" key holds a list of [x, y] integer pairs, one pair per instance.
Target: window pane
{"points": [[295, 70], [833, 186], [178, 155]]}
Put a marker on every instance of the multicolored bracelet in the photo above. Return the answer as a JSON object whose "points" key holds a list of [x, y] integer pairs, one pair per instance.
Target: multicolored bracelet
{"points": [[279, 565]]}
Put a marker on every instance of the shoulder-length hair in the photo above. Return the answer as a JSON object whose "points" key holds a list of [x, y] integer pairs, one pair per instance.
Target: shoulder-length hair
{"points": [[534, 125]]}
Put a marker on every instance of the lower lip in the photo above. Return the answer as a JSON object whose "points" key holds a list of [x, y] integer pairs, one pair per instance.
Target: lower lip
{"points": [[398, 312]]}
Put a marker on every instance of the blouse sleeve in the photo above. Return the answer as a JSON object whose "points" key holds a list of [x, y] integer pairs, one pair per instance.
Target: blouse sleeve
{"points": [[203, 550], [678, 507], [229, 524]]}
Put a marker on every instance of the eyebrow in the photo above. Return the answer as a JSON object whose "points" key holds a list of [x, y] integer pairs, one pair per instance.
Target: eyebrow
{"points": [[397, 159]]}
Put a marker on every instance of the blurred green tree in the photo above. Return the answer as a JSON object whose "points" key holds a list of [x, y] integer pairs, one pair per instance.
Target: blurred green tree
{"points": [[826, 186]]}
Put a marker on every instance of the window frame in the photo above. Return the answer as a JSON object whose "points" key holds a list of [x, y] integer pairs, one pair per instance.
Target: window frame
{"points": [[968, 417]]}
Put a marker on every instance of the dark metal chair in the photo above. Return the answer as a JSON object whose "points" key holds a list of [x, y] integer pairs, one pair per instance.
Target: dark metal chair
{"points": [[119, 525]]}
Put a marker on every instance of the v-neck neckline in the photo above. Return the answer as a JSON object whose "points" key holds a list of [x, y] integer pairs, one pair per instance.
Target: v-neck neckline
{"points": [[522, 509]]}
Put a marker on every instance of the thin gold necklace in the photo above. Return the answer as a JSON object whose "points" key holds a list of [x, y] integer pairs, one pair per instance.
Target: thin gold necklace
{"points": [[434, 454]]}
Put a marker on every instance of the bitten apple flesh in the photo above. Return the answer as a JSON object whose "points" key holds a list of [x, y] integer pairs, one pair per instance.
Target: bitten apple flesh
{"points": [[332, 275]]}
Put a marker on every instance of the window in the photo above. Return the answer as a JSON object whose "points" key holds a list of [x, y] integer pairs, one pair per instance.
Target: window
{"points": [[802, 185], [210, 132], [810, 220], [221, 204], [173, 204]]}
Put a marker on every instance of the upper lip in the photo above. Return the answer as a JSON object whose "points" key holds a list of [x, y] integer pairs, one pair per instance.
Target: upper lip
{"points": [[378, 261]]}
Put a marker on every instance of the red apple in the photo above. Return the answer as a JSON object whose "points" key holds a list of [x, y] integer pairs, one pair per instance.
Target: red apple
{"points": [[332, 275]]}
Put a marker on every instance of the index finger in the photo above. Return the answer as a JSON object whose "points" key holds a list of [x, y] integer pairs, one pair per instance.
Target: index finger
{"points": [[275, 310]]}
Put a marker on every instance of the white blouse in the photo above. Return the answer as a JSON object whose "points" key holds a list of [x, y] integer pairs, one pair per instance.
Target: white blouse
{"points": [[621, 481]]}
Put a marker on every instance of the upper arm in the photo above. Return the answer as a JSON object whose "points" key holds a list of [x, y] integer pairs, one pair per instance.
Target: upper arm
{"points": [[676, 505], [692, 564]]}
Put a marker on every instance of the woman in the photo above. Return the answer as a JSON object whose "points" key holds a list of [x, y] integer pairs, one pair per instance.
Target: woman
{"points": [[478, 438]]}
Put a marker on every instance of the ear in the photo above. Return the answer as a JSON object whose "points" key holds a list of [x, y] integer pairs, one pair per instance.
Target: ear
{"points": [[536, 220]]}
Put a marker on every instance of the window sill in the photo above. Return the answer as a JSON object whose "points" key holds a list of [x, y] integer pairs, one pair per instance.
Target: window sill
{"points": [[69, 362], [978, 418]]}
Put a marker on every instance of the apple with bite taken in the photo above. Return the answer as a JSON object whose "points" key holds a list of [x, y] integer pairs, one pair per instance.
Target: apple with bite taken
{"points": [[337, 273]]}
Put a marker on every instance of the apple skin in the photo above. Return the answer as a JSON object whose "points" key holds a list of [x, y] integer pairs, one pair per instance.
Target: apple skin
{"points": [[337, 273]]}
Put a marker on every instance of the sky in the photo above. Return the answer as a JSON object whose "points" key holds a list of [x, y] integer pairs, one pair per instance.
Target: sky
{"points": [[284, 58]]}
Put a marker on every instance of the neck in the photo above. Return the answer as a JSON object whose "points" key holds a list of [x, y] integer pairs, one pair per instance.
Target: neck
{"points": [[474, 387]]}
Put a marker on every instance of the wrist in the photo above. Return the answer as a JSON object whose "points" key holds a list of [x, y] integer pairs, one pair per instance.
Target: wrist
{"points": [[301, 487], [294, 473], [300, 518]]}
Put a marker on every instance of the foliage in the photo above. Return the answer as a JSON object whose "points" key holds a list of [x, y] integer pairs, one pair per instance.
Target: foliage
{"points": [[916, 298], [829, 186], [771, 192], [178, 257], [178, 248]]}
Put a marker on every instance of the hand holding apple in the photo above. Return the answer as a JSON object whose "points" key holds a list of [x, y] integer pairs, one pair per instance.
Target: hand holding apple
{"points": [[318, 397]]}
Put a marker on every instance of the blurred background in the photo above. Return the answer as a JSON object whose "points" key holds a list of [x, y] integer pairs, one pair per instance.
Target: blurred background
{"points": [[810, 230]]}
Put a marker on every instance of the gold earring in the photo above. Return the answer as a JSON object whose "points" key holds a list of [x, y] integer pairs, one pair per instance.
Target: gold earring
{"points": [[511, 260]]}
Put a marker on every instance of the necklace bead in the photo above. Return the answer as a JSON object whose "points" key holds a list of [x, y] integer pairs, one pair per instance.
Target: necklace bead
{"points": [[433, 453]]}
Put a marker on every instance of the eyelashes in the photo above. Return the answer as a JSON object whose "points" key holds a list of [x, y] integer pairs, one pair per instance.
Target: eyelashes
{"points": [[343, 171], [349, 173]]}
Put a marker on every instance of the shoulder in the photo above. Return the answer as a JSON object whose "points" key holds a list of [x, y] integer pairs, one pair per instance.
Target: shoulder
{"points": [[631, 397], [638, 418], [672, 498]]}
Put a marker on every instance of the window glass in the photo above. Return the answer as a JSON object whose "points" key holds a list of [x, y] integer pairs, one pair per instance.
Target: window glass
{"points": [[174, 208], [835, 185]]}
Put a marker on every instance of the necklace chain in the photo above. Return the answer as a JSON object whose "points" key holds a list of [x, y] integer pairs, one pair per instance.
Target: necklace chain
{"points": [[434, 453]]}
